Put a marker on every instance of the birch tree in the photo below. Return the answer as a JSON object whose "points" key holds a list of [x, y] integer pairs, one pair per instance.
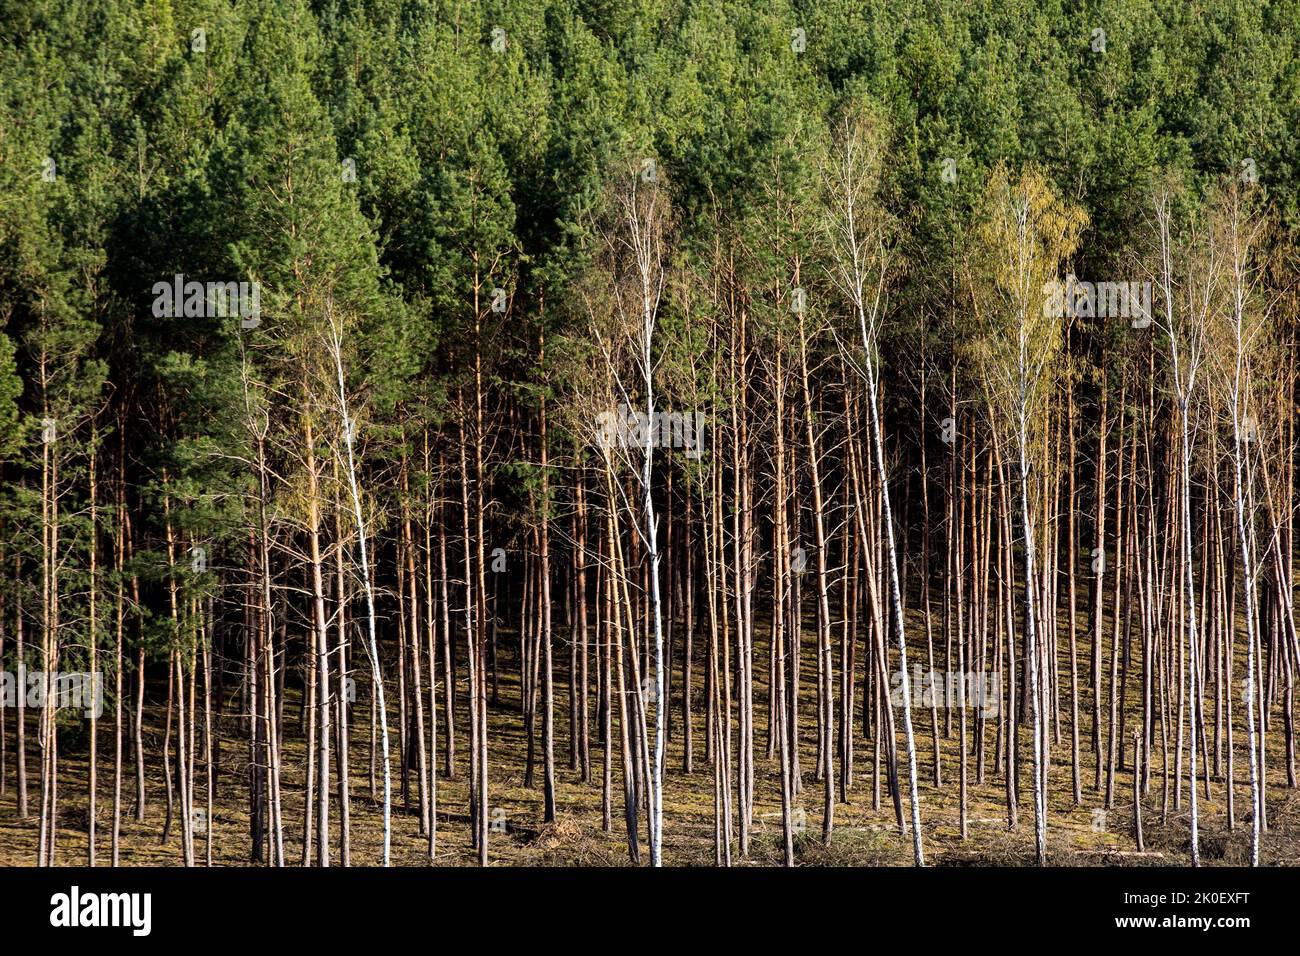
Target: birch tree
{"points": [[347, 423], [634, 251], [1239, 355], [860, 235], [1186, 267], [1023, 235]]}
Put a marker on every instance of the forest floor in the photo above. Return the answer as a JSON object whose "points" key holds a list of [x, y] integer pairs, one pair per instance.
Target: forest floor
{"points": [[865, 832]]}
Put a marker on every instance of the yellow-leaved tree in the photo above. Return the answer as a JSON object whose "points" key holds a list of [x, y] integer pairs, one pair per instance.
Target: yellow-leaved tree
{"points": [[1024, 233]]}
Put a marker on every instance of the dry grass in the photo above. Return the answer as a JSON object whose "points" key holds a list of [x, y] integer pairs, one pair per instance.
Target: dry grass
{"points": [[865, 830]]}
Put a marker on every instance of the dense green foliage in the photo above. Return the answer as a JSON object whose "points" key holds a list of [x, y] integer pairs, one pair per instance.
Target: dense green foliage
{"points": [[432, 176]]}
